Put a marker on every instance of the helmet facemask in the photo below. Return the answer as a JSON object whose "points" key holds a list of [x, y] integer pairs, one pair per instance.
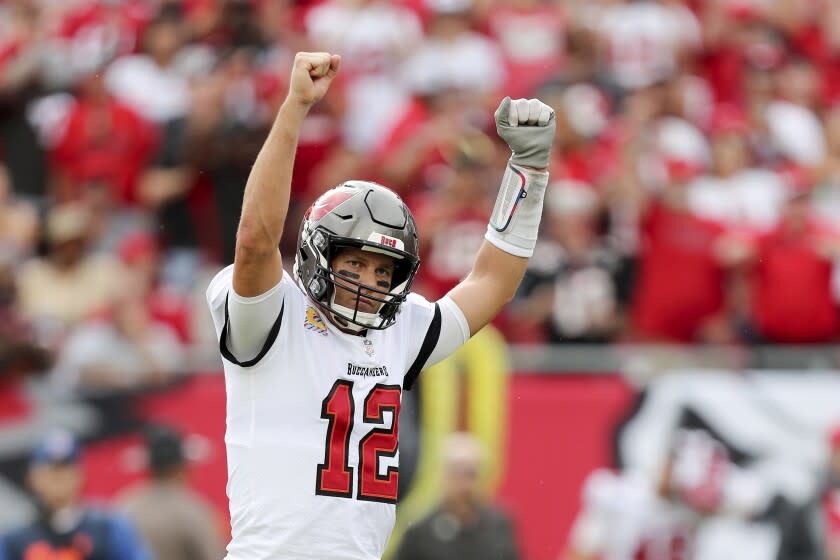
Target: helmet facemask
{"points": [[365, 216], [326, 283]]}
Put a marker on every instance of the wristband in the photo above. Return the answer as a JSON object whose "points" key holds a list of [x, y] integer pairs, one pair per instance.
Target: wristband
{"points": [[515, 220]]}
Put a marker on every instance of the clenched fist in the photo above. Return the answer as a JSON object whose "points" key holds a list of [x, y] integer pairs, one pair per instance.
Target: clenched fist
{"points": [[312, 74], [527, 125]]}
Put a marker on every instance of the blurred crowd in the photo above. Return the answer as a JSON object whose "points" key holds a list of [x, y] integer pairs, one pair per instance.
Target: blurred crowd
{"points": [[695, 176]]}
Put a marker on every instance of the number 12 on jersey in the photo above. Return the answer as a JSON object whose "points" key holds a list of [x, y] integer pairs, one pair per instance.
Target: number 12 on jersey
{"points": [[335, 475]]}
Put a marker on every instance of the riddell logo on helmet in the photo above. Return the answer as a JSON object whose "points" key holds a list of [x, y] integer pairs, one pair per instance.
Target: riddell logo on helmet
{"points": [[389, 241]]}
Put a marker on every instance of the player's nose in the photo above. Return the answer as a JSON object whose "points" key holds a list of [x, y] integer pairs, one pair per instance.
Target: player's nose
{"points": [[368, 283]]}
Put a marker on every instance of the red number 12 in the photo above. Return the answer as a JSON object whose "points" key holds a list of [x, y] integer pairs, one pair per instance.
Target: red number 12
{"points": [[335, 475]]}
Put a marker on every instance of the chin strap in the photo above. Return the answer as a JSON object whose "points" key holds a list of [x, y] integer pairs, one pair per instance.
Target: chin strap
{"points": [[515, 221], [336, 311]]}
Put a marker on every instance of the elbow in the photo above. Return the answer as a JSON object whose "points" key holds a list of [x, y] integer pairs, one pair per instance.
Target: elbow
{"points": [[506, 288], [503, 292], [508, 294], [253, 246], [252, 254], [494, 288]]}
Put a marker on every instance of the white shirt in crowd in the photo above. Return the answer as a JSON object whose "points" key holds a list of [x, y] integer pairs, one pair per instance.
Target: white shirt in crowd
{"points": [[643, 40]]}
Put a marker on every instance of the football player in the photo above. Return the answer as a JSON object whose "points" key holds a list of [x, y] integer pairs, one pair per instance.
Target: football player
{"points": [[316, 361], [632, 515]]}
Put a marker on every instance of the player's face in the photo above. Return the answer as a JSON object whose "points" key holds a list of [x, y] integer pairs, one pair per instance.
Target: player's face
{"points": [[370, 269]]}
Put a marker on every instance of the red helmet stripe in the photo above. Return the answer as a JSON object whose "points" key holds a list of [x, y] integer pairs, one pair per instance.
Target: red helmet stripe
{"points": [[327, 202]]}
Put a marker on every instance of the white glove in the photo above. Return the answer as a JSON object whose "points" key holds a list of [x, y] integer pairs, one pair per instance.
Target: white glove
{"points": [[527, 125]]}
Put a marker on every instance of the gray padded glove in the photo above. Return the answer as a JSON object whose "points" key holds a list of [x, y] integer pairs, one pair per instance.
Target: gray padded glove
{"points": [[527, 125]]}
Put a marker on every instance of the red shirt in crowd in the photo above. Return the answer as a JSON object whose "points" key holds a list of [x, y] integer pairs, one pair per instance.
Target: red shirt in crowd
{"points": [[533, 45], [98, 28], [680, 283], [450, 252], [792, 301], [589, 163], [723, 68], [412, 122], [811, 41], [106, 143]]}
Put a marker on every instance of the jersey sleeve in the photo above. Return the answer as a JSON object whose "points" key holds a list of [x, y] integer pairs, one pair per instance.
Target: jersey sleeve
{"points": [[247, 327], [445, 329]]}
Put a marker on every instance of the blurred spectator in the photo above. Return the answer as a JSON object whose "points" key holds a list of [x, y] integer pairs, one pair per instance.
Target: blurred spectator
{"points": [[624, 517], [655, 516], [82, 32], [165, 190], [643, 43], [424, 136], [66, 528], [680, 283], [22, 356], [140, 256], [827, 194], [152, 83], [70, 283], [174, 520], [452, 216], [373, 47], [382, 33], [22, 49], [796, 133], [792, 264], [463, 526], [20, 352], [18, 220], [831, 500], [103, 148], [453, 56], [128, 350], [584, 144], [736, 193], [532, 37], [224, 23], [570, 285], [222, 142], [797, 81]]}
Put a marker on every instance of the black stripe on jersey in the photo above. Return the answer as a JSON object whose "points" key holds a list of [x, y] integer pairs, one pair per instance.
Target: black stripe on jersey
{"points": [[269, 341], [429, 343]]}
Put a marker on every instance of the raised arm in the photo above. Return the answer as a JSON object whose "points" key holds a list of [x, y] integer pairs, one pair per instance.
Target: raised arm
{"points": [[258, 265], [527, 125]]}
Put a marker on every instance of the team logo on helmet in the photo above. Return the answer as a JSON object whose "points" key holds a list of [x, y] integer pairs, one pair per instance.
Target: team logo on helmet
{"points": [[327, 203]]}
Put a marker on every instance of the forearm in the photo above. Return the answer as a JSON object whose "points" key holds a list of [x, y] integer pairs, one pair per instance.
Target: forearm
{"points": [[258, 265], [528, 128], [266, 200]]}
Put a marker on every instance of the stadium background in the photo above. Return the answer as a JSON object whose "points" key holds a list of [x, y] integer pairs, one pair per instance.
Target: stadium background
{"points": [[694, 201]]}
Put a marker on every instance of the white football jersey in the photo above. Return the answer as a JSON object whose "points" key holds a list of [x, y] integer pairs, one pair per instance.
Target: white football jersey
{"points": [[312, 429]]}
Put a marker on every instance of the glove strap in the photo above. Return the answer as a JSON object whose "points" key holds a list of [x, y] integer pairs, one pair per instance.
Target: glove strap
{"points": [[515, 220]]}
